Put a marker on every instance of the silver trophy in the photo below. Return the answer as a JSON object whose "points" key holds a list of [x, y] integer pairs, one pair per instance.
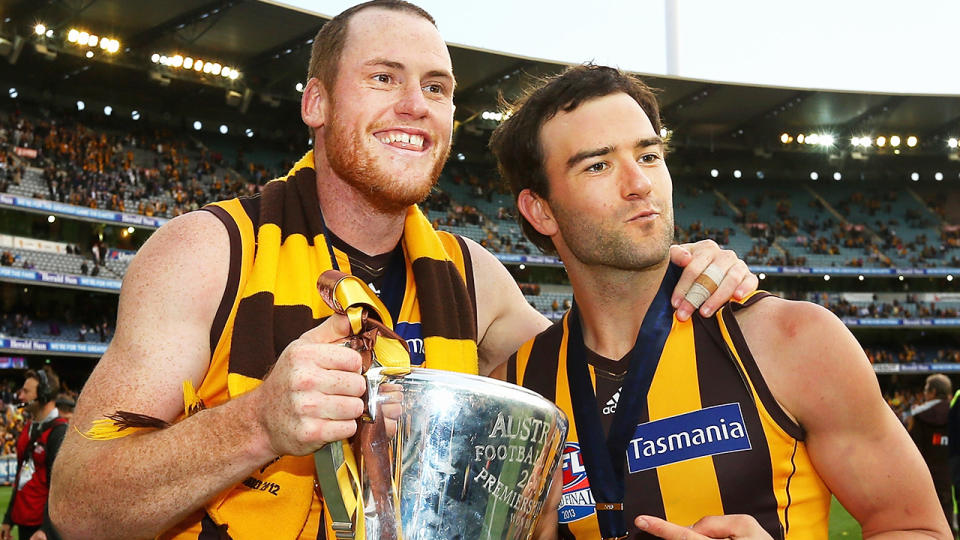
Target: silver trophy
{"points": [[471, 458], [474, 457]]}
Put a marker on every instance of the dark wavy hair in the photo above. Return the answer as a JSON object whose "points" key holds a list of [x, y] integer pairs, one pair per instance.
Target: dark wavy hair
{"points": [[516, 142]]}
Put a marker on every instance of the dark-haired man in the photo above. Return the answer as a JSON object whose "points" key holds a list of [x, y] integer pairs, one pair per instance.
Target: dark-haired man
{"points": [[37, 448], [739, 426], [197, 336]]}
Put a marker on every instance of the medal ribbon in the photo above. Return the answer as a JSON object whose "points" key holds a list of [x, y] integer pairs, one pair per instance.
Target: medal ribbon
{"points": [[605, 458]]}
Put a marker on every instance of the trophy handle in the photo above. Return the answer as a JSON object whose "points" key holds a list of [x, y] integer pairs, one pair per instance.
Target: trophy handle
{"points": [[349, 296]]}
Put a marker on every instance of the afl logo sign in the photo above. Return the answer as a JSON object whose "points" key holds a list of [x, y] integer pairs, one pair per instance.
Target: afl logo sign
{"points": [[577, 502]]}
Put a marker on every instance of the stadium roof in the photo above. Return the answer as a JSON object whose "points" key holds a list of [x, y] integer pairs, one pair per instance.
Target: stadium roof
{"points": [[270, 46]]}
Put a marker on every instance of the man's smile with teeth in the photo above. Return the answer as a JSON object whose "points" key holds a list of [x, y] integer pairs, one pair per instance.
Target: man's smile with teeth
{"points": [[401, 139]]}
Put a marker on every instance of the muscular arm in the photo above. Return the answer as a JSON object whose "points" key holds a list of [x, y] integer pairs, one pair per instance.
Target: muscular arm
{"points": [[505, 320], [139, 485], [819, 373]]}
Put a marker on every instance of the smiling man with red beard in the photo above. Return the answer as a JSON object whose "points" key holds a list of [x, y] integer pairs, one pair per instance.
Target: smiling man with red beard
{"points": [[224, 348]]}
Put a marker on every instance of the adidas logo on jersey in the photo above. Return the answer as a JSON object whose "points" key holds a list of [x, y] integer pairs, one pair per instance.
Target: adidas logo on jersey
{"points": [[611, 406]]}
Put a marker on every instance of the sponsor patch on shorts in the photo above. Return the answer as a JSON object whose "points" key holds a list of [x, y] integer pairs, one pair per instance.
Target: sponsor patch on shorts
{"points": [[706, 432]]}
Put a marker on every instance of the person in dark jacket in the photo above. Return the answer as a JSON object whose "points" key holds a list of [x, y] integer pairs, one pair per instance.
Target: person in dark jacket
{"points": [[928, 426]]}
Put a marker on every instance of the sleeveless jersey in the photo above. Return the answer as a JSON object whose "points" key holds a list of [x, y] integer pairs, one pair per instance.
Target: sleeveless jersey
{"points": [[711, 439], [240, 217]]}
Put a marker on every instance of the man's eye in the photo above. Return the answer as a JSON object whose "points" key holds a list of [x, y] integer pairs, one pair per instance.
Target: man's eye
{"points": [[597, 167], [434, 88], [649, 158], [382, 77]]}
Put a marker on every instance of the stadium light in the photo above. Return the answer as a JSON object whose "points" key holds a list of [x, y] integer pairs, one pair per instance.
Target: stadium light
{"points": [[800, 138], [837, 176], [81, 105], [814, 175], [460, 156], [131, 230], [912, 141], [714, 173], [40, 29], [827, 140], [760, 175], [107, 110], [762, 276], [952, 142], [135, 115], [881, 141], [223, 129], [13, 93], [785, 138], [155, 58], [938, 176], [737, 173], [299, 87], [900, 277], [949, 277], [663, 132], [197, 125], [813, 138], [89, 54], [860, 277], [249, 134], [895, 141], [51, 219], [82, 38], [915, 176], [523, 266], [826, 277]]}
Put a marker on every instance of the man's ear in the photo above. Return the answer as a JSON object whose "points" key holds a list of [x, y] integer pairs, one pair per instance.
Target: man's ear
{"points": [[313, 104], [537, 211]]}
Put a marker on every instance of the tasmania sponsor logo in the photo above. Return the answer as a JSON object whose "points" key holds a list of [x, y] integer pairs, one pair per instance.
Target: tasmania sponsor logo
{"points": [[577, 500], [705, 432]]}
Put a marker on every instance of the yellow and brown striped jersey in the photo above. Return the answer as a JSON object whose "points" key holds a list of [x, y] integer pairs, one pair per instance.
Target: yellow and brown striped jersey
{"points": [[710, 440], [278, 250]]}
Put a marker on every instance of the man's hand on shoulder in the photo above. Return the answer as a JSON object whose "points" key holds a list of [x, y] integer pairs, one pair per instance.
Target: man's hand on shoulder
{"points": [[706, 258]]}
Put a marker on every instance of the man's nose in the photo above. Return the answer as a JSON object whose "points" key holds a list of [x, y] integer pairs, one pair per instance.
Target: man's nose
{"points": [[412, 102], [635, 181]]}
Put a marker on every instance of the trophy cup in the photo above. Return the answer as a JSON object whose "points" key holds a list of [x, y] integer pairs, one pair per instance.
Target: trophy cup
{"points": [[472, 458]]}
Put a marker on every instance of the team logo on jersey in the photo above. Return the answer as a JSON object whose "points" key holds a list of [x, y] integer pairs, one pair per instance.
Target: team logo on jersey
{"points": [[611, 406], [706, 432], [414, 338], [577, 500]]}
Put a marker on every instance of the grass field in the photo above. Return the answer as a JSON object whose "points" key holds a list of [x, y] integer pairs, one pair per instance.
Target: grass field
{"points": [[842, 526]]}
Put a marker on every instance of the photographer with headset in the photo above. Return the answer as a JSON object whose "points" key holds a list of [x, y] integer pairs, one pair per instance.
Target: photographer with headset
{"points": [[37, 447]]}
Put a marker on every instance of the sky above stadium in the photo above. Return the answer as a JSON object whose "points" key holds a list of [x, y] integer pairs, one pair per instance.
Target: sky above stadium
{"points": [[884, 46]]}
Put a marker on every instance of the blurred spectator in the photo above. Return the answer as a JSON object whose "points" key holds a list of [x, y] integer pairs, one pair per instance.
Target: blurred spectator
{"points": [[927, 424]]}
